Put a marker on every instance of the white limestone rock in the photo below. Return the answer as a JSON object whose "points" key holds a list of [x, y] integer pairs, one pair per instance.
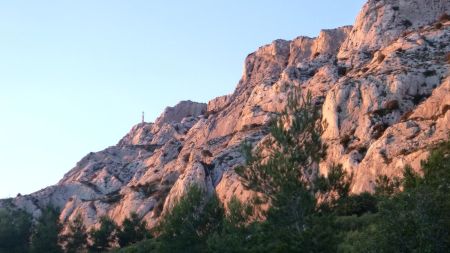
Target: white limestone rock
{"points": [[382, 84]]}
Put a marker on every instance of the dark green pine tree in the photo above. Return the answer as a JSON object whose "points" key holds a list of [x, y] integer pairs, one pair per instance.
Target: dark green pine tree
{"points": [[288, 159], [104, 237], [45, 237], [15, 230], [190, 222], [413, 212], [235, 233], [133, 230], [418, 218], [75, 240], [284, 170]]}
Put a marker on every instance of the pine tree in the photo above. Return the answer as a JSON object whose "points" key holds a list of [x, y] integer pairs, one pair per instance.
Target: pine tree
{"points": [[190, 222], [418, 219], [235, 233], [76, 238], [104, 237], [45, 235], [284, 169], [289, 158], [15, 230], [133, 230]]}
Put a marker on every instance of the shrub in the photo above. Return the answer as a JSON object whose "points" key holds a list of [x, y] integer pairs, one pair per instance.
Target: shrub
{"points": [[429, 73], [378, 130], [357, 205], [406, 23], [380, 57], [417, 99], [186, 158], [342, 71], [392, 105], [345, 140], [112, 197], [104, 237], [147, 189], [385, 186], [406, 115], [206, 153], [444, 18]]}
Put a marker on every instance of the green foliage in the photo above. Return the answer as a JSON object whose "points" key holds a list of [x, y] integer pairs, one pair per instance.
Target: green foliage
{"points": [[338, 182], [306, 213], [355, 233], [104, 237], [357, 205], [287, 178], [132, 231], [411, 179], [311, 213], [234, 235], [386, 186], [45, 234], [146, 246], [294, 149], [436, 169], [416, 219], [75, 240], [334, 189], [15, 230], [187, 226]]}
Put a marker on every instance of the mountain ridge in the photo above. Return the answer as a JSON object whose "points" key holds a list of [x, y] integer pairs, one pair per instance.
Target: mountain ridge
{"points": [[382, 83]]}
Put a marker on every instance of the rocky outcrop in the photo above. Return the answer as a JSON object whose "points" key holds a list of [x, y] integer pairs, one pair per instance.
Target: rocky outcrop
{"points": [[383, 86], [180, 111], [382, 21]]}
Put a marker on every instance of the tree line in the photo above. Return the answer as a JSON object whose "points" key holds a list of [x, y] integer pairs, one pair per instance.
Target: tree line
{"points": [[19, 234], [294, 209]]}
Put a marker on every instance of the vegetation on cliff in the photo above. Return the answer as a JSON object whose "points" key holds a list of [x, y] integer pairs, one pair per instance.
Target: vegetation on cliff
{"points": [[294, 209]]}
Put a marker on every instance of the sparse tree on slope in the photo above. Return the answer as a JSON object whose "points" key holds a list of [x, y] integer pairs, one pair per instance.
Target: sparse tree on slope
{"points": [[133, 230], [15, 230], [190, 222], [45, 237], [104, 237], [76, 238], [284, 170]]}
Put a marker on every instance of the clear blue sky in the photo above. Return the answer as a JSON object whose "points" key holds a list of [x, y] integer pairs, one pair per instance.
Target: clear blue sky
{"points": [[75, 75]]}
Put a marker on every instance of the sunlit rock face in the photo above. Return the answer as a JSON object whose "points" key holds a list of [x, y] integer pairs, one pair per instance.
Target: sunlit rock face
{"points": [[382, 84], [383, 21]]}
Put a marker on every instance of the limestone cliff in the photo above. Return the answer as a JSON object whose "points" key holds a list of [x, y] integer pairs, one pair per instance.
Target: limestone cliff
{"points": [[383, 86]]}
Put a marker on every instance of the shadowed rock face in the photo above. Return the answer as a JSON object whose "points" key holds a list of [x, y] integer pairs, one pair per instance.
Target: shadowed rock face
{"points": [[384, 90]]}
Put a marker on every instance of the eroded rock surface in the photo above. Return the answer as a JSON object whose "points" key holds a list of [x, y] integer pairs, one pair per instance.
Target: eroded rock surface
{"points": [[383, 86]]}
